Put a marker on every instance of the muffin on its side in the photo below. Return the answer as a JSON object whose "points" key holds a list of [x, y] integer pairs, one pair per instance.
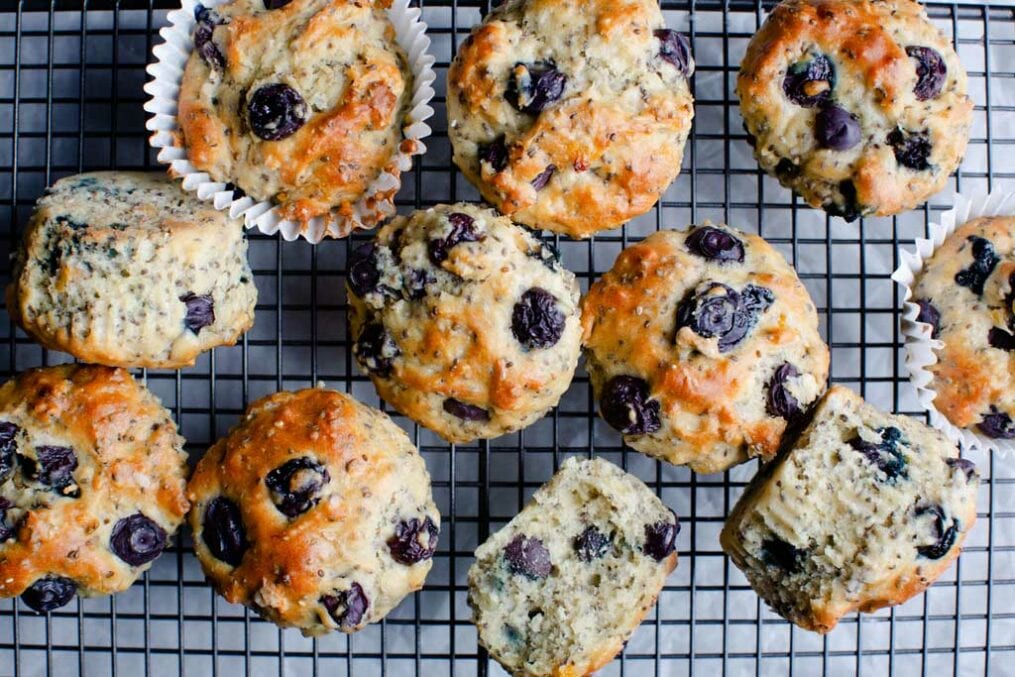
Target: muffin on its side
{"points": [[702, 346], [966, 292], [864, 510], [127, 270], [859, 106], [315, 511], [465, 322], [92, 483], [564, 584], [571, 116], [299, 102]]}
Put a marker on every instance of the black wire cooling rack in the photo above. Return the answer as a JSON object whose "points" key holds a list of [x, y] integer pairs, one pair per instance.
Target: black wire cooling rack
{"points": [[71, 79]]}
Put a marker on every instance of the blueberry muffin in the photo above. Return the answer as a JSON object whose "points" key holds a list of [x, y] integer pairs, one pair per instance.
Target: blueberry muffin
{"points": [[859, 106], [966, 292], [563, 585], [315, 511], [702, 346], [125, 269], [864, 510], [571, 116], [299, 102], [466, 323], [92, 483]]}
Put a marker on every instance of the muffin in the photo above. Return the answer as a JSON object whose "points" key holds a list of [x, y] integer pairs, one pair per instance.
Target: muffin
{"points": [[563, 585], [702, 347], [125, 269], [315, 511], [859, 106], [466, 323], [966, 292], [92, 483], [302, 102], [571, 116], [864, 510]]}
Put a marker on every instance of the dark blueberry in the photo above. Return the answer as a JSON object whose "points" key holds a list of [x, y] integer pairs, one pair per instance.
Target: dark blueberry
{"points": [[528, 557], [673, 47], [786, 170], [463, 229], [720, 311], [54, 467], [930, 72], [780, 401], [207, 20], [810, 83], [200, 311], [466, 412], [8, 448], [715, 244], [495, 154], [912, 149], [296, 485], [414, 541], [885, 454], [375, 349], [363, 273], [137, 540], [627, 406], [1000, 339], [416, 281], [967, 467], [929, 314], [223, 531], [543, 177], [276, 4], [49, 593], [984, 260], [1009, 302], [836, 128], [276, 111], [537, 321], [997, 425], [347, 607], [534, 86], [661, 539], [7, 530], [777, 552], [591, 544], [850, 209], [547, 254], [945, 536]]}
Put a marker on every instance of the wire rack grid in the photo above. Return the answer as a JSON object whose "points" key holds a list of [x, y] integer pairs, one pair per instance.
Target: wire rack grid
{"points": [[71, 77]]}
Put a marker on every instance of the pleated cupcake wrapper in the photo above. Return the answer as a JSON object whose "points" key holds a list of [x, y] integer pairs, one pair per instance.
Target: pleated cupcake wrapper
{"points": [[374, 206], [920, 347]]}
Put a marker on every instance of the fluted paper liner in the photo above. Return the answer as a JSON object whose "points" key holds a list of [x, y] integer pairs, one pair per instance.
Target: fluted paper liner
{"points": [[376, 204]]}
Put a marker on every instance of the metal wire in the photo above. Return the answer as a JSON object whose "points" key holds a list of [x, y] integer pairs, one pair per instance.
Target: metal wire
{"points": [[70, 100]]}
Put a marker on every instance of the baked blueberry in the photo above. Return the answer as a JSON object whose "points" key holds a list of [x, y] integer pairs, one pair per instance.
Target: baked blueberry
{"points": [[223, 531], [463, 229], [786, 170], [276, 111], [6, 528], [534, 86], [930, 71], [985, 258], [850, 209], [207, 20], [717, 310], [627, 406], [929, 314], [779, 553], [543, 177], [661, 539], [537, 321], [54, 467], [715, 244], [296, 485], [912, 149], [363, 273], [8, 449], [375, 349], [779, 400], [137, 540], [414, 541], [885, 454], [591, 544], [276, 4], [200, 311], [967, 467], [466, 412], [415, 282], [673, 47], [51, 592], [810, 83], [997, 425], [945, 536], [495, 154], [1000, 339], [836, 128], [347, 607], [527, 557]]}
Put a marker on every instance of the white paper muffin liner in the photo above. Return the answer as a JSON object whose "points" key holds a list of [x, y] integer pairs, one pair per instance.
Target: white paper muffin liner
{"points": [[920, 346], [376, 204]]}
